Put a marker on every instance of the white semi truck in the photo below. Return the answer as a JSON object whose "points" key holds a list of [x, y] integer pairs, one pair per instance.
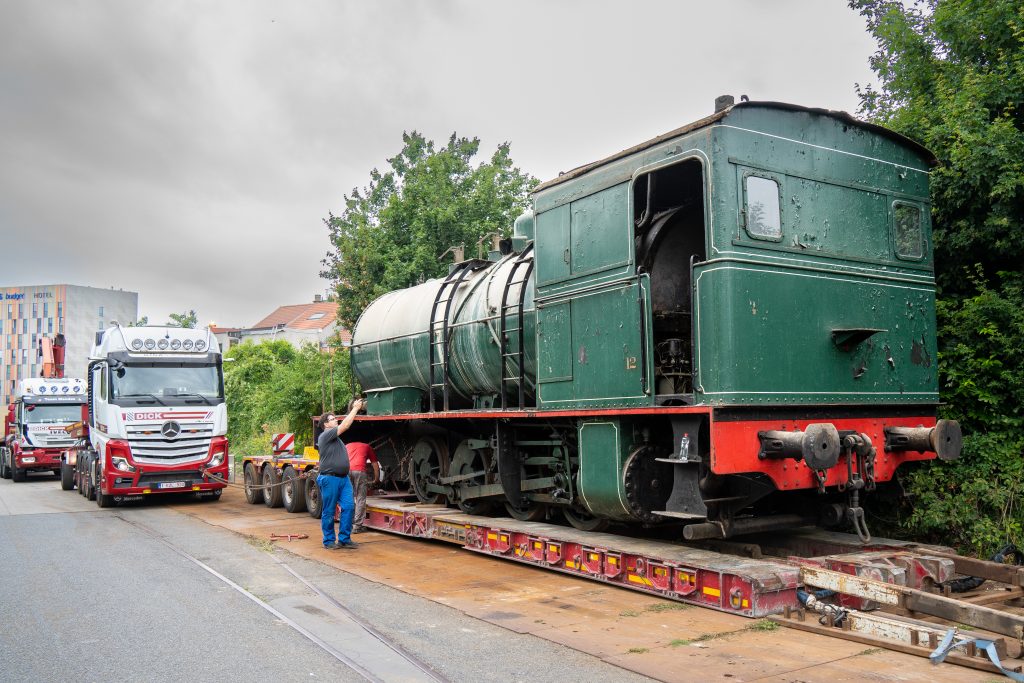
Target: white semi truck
{"points": [[157, 422], [36, 421]]}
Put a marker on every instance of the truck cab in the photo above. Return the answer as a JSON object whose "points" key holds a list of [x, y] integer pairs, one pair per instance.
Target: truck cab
{"points": [[35, 431], [157, 417]]}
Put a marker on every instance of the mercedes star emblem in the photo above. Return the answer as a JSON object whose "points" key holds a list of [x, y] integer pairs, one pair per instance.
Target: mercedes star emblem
{"points": [[170, 429]]}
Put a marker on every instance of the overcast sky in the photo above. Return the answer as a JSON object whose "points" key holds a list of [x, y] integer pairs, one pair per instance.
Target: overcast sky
{"points": [[189, 150]]}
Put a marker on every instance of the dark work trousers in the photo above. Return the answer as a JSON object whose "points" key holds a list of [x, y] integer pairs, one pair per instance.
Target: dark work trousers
{"points": [[358, 480], [335, 491]]}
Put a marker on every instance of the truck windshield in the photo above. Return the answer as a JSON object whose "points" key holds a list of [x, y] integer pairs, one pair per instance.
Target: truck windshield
{"points": [[65, 413], [169, 384]]}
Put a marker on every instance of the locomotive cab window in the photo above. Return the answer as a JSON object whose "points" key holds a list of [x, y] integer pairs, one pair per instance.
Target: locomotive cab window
{"points": [[908, 231], [763, 214]]}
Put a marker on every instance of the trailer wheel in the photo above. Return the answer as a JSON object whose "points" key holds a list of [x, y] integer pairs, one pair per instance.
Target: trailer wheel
{"points": [[67, 477], [314, 504], [5, 471], [102, 499], [90, 485], [293, 491], [253, 496], [272, 490]]}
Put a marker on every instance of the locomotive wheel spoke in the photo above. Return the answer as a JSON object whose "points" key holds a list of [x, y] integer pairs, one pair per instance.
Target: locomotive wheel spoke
{"points": [[429, 463]]}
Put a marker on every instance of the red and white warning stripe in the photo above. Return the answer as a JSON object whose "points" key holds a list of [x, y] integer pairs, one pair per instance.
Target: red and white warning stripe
{"points": [[283, 443]]}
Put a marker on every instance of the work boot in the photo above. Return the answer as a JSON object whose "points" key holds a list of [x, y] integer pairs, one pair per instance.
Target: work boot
{"points": [[351, 545]]}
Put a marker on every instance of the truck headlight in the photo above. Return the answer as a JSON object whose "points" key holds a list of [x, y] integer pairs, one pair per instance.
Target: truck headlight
{"points": [[28, 459], [121, 464], [217, 459]]}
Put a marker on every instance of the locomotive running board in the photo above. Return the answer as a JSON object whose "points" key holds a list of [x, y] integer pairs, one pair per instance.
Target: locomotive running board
{"points": [[744, 586]]}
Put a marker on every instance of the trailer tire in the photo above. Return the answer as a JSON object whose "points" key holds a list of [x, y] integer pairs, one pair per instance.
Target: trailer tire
{"points": [[272, 492], [90, 485], [314, 504], [293, 491], [67, 477], [102, 499], [5, 472], [253, 496]]}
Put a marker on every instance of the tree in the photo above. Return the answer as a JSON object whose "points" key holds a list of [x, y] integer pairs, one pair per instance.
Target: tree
{"points": [[393, 231], [951, 76], [272, 387], [142, 322], [188, 320]]}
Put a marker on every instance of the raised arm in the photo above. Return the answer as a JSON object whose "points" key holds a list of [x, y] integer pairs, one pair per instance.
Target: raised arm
{"points": [[357, 405]]}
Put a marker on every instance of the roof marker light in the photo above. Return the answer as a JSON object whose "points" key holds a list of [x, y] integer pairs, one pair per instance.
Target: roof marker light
{"points": [[187, 344], [150, 344], [162, 344], [175, 344], [137, 344], [200, 345]]}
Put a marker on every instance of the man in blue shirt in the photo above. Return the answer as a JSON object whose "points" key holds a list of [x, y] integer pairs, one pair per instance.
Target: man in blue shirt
{"points": [[333, 479]]}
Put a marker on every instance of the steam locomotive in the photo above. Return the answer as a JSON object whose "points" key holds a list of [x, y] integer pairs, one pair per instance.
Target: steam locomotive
{"points": [[729, 327]]}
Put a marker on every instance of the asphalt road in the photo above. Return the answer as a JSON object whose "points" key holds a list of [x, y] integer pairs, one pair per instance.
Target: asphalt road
{"points": [[142, 592]]}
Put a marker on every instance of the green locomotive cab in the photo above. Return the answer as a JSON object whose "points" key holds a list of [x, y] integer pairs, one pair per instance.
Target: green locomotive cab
{"points": [[741, 307]]}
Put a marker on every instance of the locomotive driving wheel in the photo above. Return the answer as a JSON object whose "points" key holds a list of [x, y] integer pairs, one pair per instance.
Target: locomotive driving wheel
{"points": [[526, 512], [648, 483], [429, 463], [584, 521], [468, 461]]}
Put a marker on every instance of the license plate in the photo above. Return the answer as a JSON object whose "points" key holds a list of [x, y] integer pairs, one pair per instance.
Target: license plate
{"points": [[171, 485]]}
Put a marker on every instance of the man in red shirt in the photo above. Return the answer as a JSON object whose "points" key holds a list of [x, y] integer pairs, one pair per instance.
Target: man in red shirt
{"points": [[359, 456]]}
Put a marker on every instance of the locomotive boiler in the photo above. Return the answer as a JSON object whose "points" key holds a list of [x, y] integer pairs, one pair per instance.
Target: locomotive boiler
{"points": [[730, 327]]}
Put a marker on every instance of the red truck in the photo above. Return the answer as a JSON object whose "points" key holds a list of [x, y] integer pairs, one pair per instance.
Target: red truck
{"points": [[35, 431]]}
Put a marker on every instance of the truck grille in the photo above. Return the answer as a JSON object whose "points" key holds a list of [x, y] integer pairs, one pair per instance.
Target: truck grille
{"points": [[150, 446], [40, 441]]}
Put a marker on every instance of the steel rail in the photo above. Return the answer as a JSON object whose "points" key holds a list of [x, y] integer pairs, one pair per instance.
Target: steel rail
{"points": [[327, 647]]}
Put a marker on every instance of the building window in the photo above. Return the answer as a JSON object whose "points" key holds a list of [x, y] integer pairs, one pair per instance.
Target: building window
{"points": [[10, 310], [46, 309], [35, 310], [60, 325], [21, 310], [101, 312], [49, 326], [39, 324], [24, 325], [101, 328], [315, 316], [60, 309]]}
